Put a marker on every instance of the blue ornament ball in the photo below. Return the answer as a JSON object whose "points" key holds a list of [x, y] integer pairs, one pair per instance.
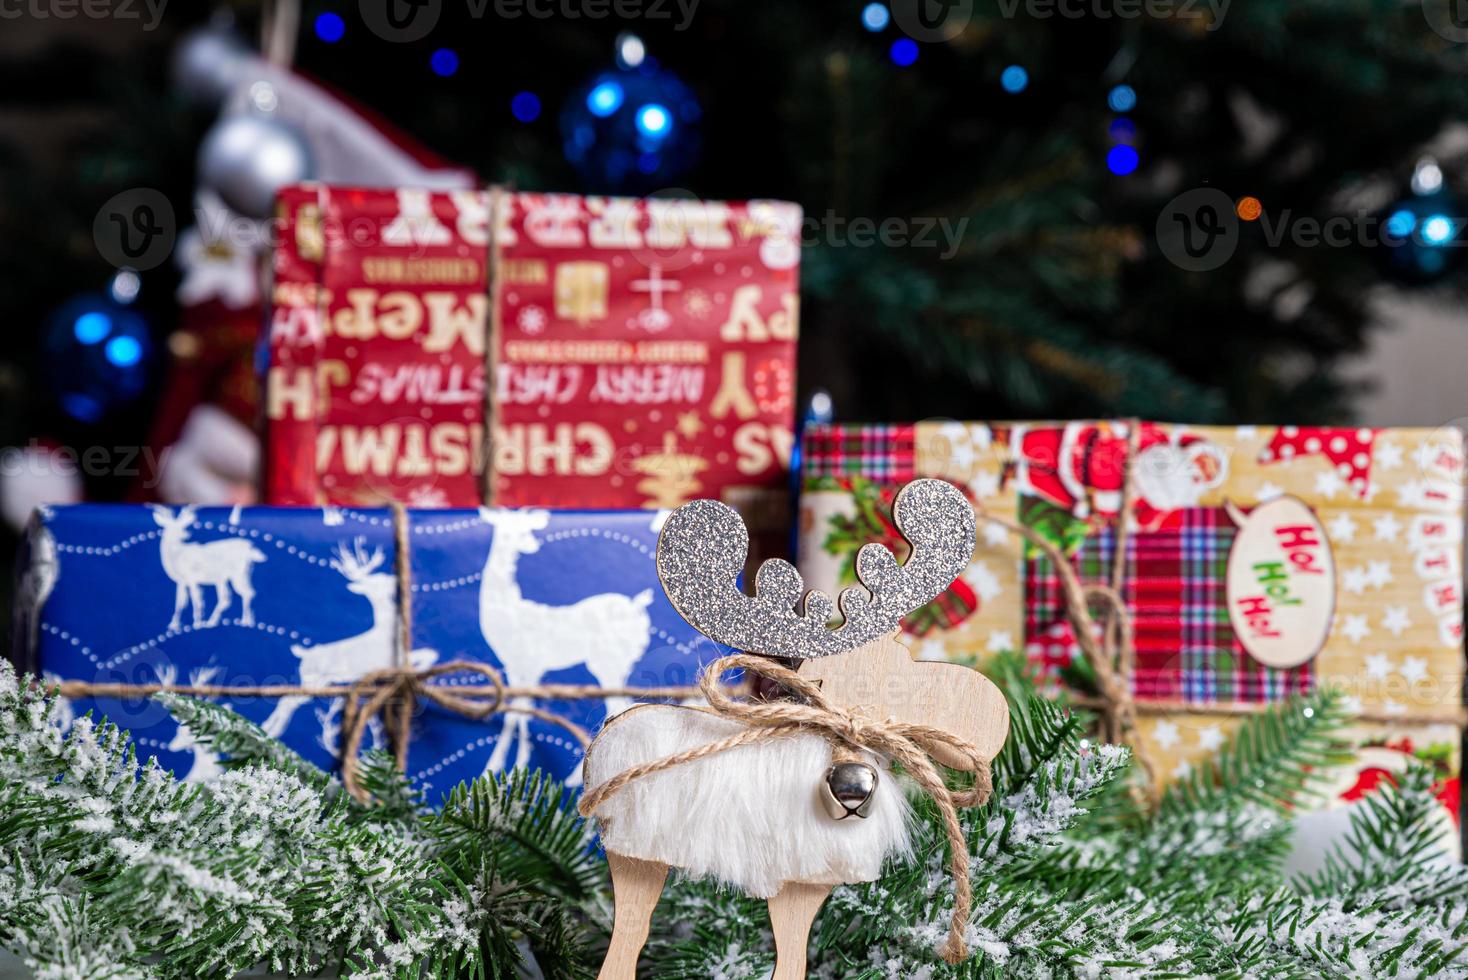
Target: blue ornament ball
{"points": [[97, 356], [632, 131]]}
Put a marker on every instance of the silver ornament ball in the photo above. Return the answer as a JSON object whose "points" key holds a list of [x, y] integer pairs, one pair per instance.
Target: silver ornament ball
{"points": [[247, 158], [849, 790], [207, 63]]}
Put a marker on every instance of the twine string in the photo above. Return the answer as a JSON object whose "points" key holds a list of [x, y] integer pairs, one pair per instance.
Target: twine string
{"points": [[392, 693], [1110, 646], [910, 744]]}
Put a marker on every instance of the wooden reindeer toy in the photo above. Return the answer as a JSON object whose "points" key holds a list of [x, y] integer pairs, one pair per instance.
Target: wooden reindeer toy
{"points": [[786, 799]]}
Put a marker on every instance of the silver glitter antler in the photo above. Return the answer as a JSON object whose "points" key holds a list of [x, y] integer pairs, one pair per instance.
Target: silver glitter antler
{"points": [[704, 545]]}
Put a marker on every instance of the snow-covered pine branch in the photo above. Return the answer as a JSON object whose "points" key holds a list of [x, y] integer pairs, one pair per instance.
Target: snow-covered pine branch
{"points": [[111, 868]]}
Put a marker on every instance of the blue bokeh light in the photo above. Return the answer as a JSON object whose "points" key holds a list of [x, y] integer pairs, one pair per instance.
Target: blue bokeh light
{"points": [[525, 106], [330, 27], [445, 62], [904, 51], [1401, 223], [1438, 229], [1122, 129], [1122, 160], [654, 120], [605, 99], [94, 356], [631, 130], [91, 328], [1014, 79], [124, 351], [1122, 98], [875, 17], [82, 407]]}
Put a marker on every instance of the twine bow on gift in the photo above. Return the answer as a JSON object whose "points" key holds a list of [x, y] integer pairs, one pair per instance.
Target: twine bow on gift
{"points": [[392, 695], [912, 745]]}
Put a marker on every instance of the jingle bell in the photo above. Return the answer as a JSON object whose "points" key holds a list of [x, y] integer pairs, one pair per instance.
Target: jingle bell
{"points": [[849, 789]]}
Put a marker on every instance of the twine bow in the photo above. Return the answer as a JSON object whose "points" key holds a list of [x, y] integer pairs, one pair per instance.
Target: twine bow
{"points": [[910, 744], [392, 694]]}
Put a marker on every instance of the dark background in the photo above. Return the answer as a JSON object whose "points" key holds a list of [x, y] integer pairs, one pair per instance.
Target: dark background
{"points": [[1059, 302]]}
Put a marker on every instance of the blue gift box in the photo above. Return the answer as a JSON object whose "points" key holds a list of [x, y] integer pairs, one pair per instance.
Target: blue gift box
{"points": [[295, 596]]}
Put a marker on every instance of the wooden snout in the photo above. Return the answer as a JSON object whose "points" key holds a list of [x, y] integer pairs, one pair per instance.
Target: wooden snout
{"points": [[881, 680]]}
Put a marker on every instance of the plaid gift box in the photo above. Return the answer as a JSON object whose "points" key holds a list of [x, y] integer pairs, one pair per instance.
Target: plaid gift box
{"points": [[1174, 585], [881, 453], [1260, 561]]}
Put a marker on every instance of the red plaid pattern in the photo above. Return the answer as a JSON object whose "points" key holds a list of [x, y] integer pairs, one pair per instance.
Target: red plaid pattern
{"points": [[955, 605], [883, 453], [1175, 587]]}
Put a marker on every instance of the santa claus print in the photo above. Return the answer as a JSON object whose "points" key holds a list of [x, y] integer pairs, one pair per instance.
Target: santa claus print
{"points": [[1081, 468]]}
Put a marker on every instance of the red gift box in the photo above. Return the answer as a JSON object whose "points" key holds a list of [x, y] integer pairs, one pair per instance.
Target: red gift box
{"points": [[642, 351]]}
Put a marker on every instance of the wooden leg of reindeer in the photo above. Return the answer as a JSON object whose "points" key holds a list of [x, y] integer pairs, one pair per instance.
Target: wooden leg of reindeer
{"points": [[636, 886], [791, 914]]}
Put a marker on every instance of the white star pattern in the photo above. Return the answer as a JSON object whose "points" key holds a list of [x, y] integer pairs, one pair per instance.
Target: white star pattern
{"points": [[1268, 491], [1000, 640], [1182, 770], [1342, 528], [933, 649], [1378, 573], [960, 449], [1414, 669], [1210, 739], [1165, 734], [1387, 528], [1378, 665], [983, 581], [985, 485], [1411, 494], [1354, 628], [995, 534], [1388, 455], [1396, 620], [1370, 575], [1425, 453], [1351, 705], [1329, 484]]}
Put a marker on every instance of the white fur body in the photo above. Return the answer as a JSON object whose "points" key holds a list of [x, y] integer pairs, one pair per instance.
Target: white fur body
{"points": [[750, 817]]}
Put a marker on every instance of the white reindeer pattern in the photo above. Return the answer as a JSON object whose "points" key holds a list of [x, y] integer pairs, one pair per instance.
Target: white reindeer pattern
{"points": [[223, 564], [347, 660], [205, 767], [607, 633], [330, 719]]}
